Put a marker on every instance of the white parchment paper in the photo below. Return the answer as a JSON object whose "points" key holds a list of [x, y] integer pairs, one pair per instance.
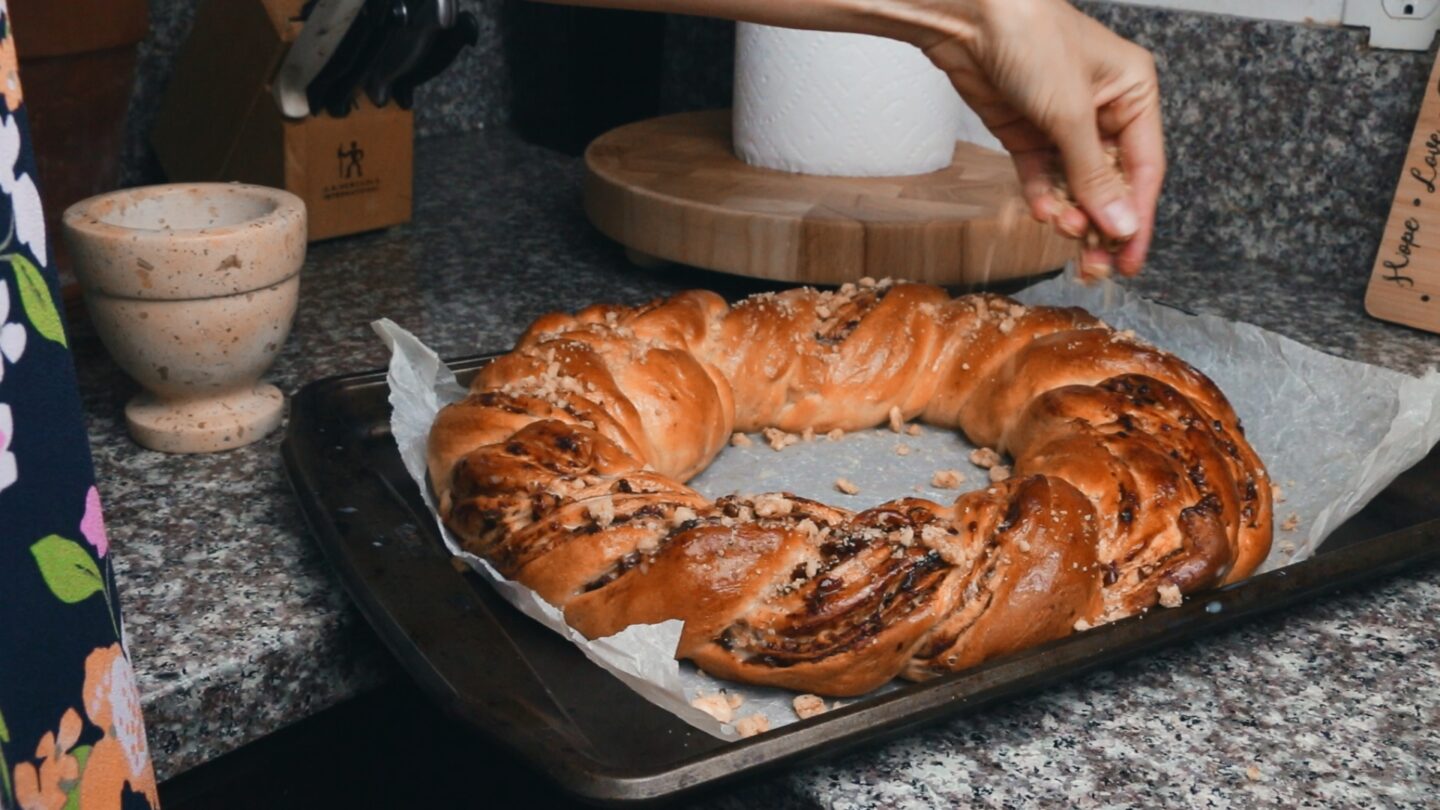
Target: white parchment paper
{"points": [[1332, 432]]}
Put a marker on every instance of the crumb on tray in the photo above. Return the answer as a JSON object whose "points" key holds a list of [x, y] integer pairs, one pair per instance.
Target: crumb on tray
{"points": [[902, 449], [740, 440], [913, 429], [844, 485], [1170, 595], [999, 473], [779, 439], [835, 435], [1290, 523], [897, 419]]}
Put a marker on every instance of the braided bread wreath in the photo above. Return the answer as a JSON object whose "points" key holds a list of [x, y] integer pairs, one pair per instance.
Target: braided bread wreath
{"points": [[564, 467]]}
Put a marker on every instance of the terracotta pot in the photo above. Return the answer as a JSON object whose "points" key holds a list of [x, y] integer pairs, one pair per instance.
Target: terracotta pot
{"points": [[77, 65], [192, 288]]}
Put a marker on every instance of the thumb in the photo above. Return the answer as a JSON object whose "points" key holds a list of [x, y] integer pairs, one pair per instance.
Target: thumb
{"points": [[1096, 182]]}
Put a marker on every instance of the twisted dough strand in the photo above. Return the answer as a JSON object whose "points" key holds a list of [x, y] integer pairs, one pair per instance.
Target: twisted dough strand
{"points": [[565, 467]]}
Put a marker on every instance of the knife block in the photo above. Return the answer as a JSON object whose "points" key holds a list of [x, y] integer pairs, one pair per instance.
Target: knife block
{"points": [[218, 122]]}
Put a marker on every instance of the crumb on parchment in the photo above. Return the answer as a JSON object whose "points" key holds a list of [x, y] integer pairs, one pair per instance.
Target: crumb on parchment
{"points": [[902, 449], [913, 429], [947, 479], [1291, 523], [807, 706], [740, 440], [835, 435], [779, 439], [984, 457], [844, 485], [897, 419], [714, 705], [999, 473], [752, 725]]}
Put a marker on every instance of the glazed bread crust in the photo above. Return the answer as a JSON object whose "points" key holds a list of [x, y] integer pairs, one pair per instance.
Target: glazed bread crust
{"points": [[565, 467]]}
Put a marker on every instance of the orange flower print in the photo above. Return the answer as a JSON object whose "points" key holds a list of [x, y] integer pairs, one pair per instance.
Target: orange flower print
{"points": [[121, 755], [48, 786], [9, 68]]}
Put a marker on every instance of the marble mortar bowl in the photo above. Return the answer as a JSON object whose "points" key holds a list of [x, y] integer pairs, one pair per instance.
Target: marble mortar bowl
{"points": [[192, 288]]}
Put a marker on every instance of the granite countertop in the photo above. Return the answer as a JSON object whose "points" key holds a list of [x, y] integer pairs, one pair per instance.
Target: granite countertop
{"points": [[238, 628]]}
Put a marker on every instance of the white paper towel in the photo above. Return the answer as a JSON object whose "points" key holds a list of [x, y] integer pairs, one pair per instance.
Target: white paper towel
{"points": [[819, 102]]}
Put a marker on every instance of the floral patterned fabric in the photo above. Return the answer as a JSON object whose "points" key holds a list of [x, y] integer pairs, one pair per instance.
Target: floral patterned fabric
{"points": [[71, 735]]}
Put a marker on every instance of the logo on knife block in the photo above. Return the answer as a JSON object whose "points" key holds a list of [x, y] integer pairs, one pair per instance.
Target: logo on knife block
{"points": [[350, 166], [350, 159]]}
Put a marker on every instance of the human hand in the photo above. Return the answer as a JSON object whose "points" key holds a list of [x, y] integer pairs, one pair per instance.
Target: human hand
{"points": [[1053, 84]]}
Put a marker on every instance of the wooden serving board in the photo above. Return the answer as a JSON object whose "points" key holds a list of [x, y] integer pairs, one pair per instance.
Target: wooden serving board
{"points": [[672, 188], [1405, 282]]}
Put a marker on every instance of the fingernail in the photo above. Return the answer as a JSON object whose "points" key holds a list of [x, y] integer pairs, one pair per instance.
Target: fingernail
{"points": [[1122, 217]]}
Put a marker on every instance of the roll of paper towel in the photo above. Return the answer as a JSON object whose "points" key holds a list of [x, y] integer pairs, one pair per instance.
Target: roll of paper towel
{"points": [[819, 102]]}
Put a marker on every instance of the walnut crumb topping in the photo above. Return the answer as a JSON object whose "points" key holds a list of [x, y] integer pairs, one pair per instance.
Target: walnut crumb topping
{"points": [[897, 419], [947, 479], [752, 725], [1170, 596], [773, 504], [999, 473], [846, 487], [740, 440], [1081, 625], [807, 706], [602, 511], [984, 457]]}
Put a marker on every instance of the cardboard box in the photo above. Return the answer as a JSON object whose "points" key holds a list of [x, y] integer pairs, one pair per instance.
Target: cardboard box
{"points": [[219, 122]]}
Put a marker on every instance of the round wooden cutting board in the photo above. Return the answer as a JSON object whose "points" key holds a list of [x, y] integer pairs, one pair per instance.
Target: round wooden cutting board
{"points": [[673, 189]]}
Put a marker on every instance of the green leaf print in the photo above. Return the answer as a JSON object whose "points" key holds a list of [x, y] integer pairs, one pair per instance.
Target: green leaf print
{"points": [[67, 569], [36, 300], [81, 753]]}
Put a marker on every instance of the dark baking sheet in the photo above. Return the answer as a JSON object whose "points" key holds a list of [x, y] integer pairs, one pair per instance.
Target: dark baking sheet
{"points": [[534, 692]]}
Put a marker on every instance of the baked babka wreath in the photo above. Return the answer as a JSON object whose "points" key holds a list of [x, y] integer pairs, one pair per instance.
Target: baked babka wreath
{"points": [[565, 468]]}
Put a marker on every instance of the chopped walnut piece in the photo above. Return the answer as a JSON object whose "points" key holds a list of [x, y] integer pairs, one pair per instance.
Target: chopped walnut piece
{"points": [[1291, 523], [733, 698], [602, 510], [714, 705], [740, 440], [835, 435], [1170, 595], [1007, 326], [773, 504], [897, 419], [913, 429], [807, 706], [1277, 493], [682, 514], [779, 439], [846, 487], [807, 435], [902, 449], [984, 457], [999, 473], [752, 725], [947, 479], [1081, 625]]}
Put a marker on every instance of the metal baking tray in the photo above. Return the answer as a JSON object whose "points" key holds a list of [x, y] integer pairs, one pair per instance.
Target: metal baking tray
{"points": [[535, 693]]}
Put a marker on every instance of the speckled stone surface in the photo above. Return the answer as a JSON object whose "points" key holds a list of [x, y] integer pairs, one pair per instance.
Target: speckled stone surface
{"points": [[238, 628]]}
